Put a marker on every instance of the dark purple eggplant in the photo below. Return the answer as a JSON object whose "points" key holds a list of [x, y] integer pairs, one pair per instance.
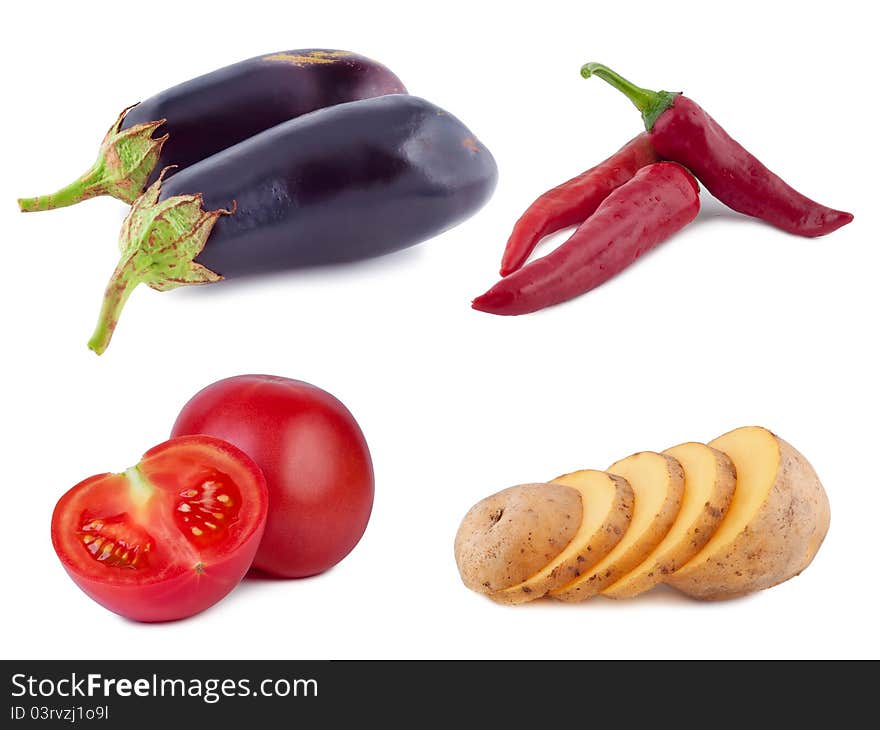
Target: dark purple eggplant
{"points": [[198, 118], [343, 183]]}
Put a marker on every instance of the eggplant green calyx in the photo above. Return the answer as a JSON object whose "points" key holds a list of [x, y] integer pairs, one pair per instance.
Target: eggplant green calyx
{"points": [[158, 242], [125, 162], [650, 103]]}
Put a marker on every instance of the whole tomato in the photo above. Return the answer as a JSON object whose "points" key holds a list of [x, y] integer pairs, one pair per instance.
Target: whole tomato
{"points": [[315, 459]]}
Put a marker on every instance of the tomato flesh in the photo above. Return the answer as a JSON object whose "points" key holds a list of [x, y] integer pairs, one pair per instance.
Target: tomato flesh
{"points": [[168, 537], [314, 457]]}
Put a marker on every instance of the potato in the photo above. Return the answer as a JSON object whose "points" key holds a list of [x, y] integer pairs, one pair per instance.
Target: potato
{"points": [[508, 537], [777, 520], [657, 480], [607, 503], [709, 482], [715, 521]]}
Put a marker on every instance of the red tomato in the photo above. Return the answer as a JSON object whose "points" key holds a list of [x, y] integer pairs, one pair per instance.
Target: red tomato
{"points": [[315, 459], [170, 536]]}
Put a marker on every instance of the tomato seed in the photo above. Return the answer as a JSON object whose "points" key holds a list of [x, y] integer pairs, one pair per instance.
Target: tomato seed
{"points": [[118, 544]]}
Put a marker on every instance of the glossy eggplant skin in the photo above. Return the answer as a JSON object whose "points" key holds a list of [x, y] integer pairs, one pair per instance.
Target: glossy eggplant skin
{"points": [[343, 183], [212, 112]]}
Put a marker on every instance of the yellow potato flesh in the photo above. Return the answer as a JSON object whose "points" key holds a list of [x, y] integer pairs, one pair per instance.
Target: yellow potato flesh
{"points": [[701, 470], [655, 496], [756, 455]]}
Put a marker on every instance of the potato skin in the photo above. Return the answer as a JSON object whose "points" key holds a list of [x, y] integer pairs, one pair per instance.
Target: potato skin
{"points": [[509, 536], [778, 542]]}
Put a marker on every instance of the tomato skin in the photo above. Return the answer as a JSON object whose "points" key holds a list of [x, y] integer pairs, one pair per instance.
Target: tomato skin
{"points": [[172, 591], [314, 456]]}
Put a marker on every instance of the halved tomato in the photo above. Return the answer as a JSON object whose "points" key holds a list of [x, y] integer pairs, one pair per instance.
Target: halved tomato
{"points": [[169, 537]]}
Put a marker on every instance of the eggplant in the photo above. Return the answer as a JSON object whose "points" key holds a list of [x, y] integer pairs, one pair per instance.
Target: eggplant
{"points": [[198, 118], [347, 182]]}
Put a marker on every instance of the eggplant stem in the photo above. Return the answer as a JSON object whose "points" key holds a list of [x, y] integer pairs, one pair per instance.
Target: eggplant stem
{"points": [[125, 163], [88, 185], [122, 283], [160, 240]]}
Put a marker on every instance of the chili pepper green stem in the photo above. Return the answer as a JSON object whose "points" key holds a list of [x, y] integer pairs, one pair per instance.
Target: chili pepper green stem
{"points": [[650, 103], [89, 185]]}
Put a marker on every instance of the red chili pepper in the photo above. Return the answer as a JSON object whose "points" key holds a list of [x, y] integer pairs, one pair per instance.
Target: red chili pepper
{"points": [[574, 201], [682, 132], [659, 200]]}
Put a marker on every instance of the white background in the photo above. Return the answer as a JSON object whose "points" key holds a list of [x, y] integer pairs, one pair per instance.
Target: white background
{"points": [[730, 323]]}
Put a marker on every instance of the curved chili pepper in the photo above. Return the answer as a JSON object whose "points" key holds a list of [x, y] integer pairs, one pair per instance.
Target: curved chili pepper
{"points": [[659, 200], [683, 132], [574, 201]]}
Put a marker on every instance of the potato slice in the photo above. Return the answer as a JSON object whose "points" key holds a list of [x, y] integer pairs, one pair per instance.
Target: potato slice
{"points": [[607, 502], [657, 480], [777, 520], [510, 536], [709, 482]]}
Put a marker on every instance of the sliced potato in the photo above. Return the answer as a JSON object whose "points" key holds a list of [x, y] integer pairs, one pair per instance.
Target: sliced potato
{"points": [[777, 520], [510, 536], [607, 502], [709, 482], [657, 481]]}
